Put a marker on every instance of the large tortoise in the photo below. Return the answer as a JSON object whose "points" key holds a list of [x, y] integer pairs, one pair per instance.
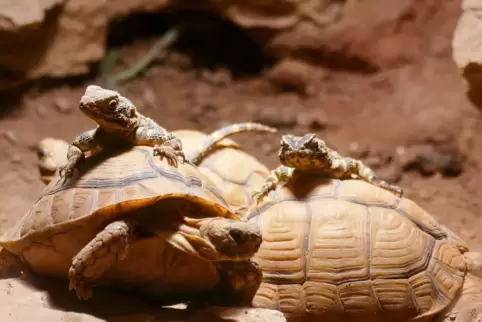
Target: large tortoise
{"points": [[236, 173], [346, 250], [130, 220]]}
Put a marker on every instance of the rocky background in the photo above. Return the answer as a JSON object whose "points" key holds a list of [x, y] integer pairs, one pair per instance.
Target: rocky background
{"points": [[394, 83]]}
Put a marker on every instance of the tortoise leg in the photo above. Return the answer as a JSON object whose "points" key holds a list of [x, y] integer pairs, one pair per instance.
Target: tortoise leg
{"points": [[102, 252], [238, 285]]}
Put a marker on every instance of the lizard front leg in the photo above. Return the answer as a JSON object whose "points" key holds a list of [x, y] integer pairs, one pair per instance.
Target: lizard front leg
{"points": [[280, 175], [164, 142], [76, 152]]}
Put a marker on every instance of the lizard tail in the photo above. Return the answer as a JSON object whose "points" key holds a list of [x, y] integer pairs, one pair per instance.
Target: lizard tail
{"points": [[209, 143]]}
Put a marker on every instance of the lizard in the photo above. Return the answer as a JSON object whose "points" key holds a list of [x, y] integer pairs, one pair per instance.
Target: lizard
{"points": [[119, 123], [310, 154]]}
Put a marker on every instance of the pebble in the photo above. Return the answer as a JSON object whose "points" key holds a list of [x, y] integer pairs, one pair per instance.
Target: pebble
{"points": [[314, 119], [10, 136], [275, 117], [41, 111], [63, 105]]}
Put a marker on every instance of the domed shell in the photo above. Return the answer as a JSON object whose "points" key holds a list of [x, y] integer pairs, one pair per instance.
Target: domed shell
{"points": [[342, 250], [236, 173], [109, 185]]}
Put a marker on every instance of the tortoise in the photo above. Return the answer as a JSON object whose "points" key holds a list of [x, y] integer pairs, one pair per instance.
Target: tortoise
{"points": [[346, 250], [131, 221], [236, 173]]}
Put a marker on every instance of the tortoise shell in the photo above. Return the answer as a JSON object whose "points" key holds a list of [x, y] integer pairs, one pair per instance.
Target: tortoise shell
{"points": [[236, 173], [348, 251], [109, 185]]}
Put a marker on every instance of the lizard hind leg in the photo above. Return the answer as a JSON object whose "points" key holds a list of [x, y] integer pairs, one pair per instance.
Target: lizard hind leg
{"points": [[103, 251], [368, 175]]}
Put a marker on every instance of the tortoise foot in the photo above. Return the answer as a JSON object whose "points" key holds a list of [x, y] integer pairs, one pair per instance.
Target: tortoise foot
{"points": [[109, 246], [242, 280]]}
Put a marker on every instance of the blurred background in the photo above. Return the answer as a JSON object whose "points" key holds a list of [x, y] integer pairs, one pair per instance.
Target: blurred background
{"points": [[393, 83]]}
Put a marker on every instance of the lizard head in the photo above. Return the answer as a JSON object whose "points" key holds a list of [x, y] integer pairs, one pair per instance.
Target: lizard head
{"points": [[109, 109], [298, 150]]}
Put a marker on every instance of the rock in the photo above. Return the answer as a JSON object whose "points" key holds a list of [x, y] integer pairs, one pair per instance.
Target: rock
{"points": [[294, 75], [276, 117], [10, 136], [429, 159], [15, 15], [52, 153], [64, 40], [467, 48], [358, 35]]}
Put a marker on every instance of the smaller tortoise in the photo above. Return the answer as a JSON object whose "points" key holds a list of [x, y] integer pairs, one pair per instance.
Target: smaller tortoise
{"points": [[119, 125], [129, 220], [309, 154], [346, 250]]}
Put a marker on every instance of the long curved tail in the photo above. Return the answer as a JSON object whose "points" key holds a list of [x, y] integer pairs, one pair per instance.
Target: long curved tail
{"points": [[209, 143]]}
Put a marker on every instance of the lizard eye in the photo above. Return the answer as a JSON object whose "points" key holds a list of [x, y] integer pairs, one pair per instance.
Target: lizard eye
{"points": [[311, 144], [112, 105]]}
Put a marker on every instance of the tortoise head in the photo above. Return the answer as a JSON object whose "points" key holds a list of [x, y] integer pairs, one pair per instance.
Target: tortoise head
{"points": [[109, 109], [297, 150], [231, 240]]}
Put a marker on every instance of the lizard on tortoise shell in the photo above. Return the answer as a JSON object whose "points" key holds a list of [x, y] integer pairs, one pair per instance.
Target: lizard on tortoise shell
{"points": [[198, 147], [130, 220], [119, 123], [309, 154]]}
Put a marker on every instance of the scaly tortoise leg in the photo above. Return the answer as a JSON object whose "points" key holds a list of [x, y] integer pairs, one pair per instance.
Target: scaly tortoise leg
{"points": [[75, 154], [238, 284], [108, 246], [280, 175]]}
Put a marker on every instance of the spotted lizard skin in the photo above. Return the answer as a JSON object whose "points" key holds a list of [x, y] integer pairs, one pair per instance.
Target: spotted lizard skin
{"points": [[309, 154], [119, 124]]}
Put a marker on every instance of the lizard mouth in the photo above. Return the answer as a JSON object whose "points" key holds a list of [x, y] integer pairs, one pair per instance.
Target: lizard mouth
{"points": [[118, 121]]}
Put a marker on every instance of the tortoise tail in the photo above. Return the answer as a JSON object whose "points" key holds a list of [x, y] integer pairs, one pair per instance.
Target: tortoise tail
{"points": [[209, 143]]}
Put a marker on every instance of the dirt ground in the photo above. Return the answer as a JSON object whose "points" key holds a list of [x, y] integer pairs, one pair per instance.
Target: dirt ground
{"points": [[413, 123]]}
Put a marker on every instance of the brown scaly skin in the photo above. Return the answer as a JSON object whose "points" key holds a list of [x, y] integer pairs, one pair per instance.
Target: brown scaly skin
{"points": [[119, 124], [310, 154]]}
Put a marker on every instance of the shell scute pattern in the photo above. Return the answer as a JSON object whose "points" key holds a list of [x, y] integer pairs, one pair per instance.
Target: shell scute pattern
{"points": [[99, 192], [347, 247]]}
